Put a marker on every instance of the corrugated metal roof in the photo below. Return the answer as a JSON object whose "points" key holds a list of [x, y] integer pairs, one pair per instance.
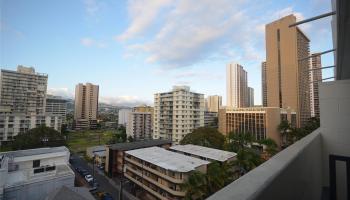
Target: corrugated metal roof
{"points": [[138, 144], [213, 154], [167, 159]]}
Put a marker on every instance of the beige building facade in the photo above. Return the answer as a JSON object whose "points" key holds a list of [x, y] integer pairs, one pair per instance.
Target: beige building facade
{"points": [[287, 79], [236, 85], [214, 102], [262, 122], [315, 74], [86, 105], [263, 84], [177, 113]]}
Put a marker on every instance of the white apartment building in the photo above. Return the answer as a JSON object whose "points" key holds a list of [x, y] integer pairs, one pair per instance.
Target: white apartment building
{"points": [[236, 85], [86, 105], [34, 173], [123, 116], [177, 113], [56, 105], [22, 91], [14, 124], [139, 125]]}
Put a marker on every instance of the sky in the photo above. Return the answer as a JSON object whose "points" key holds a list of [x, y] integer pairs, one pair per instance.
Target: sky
{"points": [[136, 48]]}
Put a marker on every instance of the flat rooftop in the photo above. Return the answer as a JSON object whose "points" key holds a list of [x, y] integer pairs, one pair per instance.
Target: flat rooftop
{"points": [[167, 159], [20, 177], [138, 144], [213, 154], [32, 152]]}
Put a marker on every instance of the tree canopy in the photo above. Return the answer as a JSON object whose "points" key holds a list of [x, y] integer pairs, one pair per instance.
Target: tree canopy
{"points": [[41, 136], [205, 136]]}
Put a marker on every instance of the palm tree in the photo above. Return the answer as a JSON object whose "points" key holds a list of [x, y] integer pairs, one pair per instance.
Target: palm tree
{"points": [[247, 159], [196, 186], [284, 128], [215, 177], [271, 147], [237, 141]]}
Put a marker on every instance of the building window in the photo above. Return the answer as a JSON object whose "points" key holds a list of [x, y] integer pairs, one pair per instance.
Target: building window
{"points": [[36, 163]]}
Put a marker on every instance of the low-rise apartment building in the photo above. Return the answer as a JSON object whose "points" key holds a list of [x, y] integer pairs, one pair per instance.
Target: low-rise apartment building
{"points": [[204, 153], [116, 152], [262, 122], [34, 173], [161, 172]]}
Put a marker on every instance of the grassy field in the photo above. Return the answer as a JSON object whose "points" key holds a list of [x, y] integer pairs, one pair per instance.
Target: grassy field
{"points": [[79, 141]]}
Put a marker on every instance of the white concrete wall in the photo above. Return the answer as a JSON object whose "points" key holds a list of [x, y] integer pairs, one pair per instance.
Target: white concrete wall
{"points": [[335, 128]]}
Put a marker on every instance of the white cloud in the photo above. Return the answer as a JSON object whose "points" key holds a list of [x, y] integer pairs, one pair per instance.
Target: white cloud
{"points": [[116, 100], [124, 100], [63, 92], [89, 42], [92, 6], [142, 14], [190, 31], [181, 33]]}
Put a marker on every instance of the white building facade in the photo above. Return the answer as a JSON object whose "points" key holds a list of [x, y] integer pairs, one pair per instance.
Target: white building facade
{"points": [[34, 173], [236, 86], [139, 125], [123, 116], [14, 124], [177, 113]]}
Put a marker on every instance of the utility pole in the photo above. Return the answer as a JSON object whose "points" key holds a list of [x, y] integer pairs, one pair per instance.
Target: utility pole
{"points": [[93, 170]]}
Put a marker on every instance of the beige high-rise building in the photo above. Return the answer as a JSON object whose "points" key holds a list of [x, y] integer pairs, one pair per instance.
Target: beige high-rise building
{"points": [[250, 97], [287, 79], [236, 85], [315, 78], [86, 105], [23, 91], [177, 113], [263, 84], [262, 122], [214, 103]]}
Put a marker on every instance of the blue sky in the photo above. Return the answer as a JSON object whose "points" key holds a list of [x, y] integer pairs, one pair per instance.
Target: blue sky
{"points": [[135, 48]]}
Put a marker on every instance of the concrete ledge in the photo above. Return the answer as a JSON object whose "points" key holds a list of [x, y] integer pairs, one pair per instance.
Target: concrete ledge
{"points": [[294, 173]]}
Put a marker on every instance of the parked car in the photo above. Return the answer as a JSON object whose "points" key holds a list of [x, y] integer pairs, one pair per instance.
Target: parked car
{"points": [[78, 169], [89, 178], [107, 196], [94, 183], [84, 172]]}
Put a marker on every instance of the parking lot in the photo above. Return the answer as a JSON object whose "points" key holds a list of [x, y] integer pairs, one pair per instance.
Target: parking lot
{"points": [[104, 184]]}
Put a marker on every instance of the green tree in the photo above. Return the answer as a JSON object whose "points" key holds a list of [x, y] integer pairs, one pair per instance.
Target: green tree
{"points": [[205, 136], [246, 160], [195, 186], [130, 138], [271, 148], [238, 141], [218, 175], [41, 136], [285, 129]]}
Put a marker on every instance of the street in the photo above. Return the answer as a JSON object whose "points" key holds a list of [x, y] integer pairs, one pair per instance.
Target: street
{"points": [[105, 184]]}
